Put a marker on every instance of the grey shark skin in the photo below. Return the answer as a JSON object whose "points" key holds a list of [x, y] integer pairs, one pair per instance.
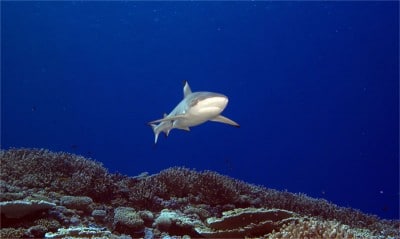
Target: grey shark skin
{"points": [[195, 108]]}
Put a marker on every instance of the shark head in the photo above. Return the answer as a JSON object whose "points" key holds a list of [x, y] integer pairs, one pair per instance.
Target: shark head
{"points": [[206, 104]]}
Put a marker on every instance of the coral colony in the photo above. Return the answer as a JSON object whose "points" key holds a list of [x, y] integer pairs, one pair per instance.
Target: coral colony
{"points": [[60, 195]]}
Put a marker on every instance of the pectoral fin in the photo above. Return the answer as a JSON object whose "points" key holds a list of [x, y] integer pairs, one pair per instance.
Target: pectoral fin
{"points": [[225, 120], [168, 118]]}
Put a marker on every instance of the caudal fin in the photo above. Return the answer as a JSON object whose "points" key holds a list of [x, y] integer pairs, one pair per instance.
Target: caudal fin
{"points": [[156, 132]]}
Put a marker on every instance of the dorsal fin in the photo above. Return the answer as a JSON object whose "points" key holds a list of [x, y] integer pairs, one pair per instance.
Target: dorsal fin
{"points": [[186, 89]]}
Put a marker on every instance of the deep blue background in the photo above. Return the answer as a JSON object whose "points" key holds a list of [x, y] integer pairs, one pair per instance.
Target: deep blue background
{"points": [[314, 86]]}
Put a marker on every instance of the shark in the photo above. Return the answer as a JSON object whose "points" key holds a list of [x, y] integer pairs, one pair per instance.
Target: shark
{"points": [[194, 109]]}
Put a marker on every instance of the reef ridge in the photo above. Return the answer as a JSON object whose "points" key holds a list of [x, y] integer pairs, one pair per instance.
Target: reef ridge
{"points": [[63, 195]]}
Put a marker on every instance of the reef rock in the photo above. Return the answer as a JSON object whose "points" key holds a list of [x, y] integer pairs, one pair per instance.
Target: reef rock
{"points": [[99, 215], [247, 222], [176, 223], [76, 202], [80, 232], [127, 220], [21, 208]]}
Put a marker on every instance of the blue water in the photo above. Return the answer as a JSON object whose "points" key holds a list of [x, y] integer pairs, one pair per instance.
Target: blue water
{"points": [[314, 86]]}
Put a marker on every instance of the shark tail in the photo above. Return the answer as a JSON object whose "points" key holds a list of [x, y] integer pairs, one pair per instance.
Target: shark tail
{"points": [[164, 126], [156, 132]]}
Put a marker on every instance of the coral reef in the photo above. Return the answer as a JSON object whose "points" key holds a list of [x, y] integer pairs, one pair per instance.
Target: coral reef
{"points": [[61, 195]]}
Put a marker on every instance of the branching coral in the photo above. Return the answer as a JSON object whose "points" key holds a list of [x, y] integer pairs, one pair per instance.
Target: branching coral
{"points": [[73, 174], [314, 228], [209, 187]]}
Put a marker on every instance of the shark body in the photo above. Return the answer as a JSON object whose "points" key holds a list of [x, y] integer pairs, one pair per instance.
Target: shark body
{"points": [[195, 108]]}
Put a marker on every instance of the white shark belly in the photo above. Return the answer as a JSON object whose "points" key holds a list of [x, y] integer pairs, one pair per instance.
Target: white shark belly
{"points": [[187, 123], [191, 120]]}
